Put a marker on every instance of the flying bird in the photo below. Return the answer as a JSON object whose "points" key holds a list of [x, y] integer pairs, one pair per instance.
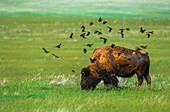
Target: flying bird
{"points": [[83, 35], [71, 35], [58, 46], [100, 19], [73, 71], [104, 40], [122, 35], [142, 30], [137, 48], [84, 50], [91, 23], [83, 28], [55, 56], [88, 33], [127, 29], [45, 50], [151, 32], [104, 22], [89, 45], [121, 30], [143, 47], [148, 35], [110, 29], [97, 32], [112, 45], [92, 60]]}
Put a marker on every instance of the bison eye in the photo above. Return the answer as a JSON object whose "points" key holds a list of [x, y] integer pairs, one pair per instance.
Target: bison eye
{"points": [[84, 78]]}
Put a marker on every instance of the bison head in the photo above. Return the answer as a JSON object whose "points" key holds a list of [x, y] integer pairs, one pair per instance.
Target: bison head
{"points": [[88, 81]]}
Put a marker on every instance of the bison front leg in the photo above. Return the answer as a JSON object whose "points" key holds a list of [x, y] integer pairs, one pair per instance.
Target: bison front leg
{"points": [[110, 81]]}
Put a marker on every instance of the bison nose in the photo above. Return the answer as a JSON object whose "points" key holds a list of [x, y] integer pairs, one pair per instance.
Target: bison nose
{"points": [[83, 87]]}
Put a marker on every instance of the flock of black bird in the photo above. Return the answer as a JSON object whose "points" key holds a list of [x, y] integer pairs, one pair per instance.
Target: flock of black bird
{"points": [[46, 51], [86, 33], [147, 33]]}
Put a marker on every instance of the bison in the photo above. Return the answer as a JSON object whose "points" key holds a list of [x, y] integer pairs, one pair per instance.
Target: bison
{"points": [[111, 61]]}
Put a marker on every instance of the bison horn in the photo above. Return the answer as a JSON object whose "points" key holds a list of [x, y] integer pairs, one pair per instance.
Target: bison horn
{"points": [[85, 71]]}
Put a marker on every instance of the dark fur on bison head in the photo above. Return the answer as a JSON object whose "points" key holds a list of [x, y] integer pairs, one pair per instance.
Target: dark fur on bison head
{"points": [[88, 81]]}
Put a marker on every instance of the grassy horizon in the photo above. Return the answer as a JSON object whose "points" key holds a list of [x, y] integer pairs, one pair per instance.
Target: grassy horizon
{"points": [[85, 9]]}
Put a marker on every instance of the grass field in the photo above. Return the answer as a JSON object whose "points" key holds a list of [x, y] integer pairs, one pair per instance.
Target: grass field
{"points": [[26, 70]]}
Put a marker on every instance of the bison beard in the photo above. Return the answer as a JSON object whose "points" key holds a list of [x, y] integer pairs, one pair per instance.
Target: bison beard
{"points": [[115, 61]]}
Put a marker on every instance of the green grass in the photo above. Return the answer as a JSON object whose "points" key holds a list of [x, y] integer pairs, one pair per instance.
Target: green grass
{"points": [[26, 71]]}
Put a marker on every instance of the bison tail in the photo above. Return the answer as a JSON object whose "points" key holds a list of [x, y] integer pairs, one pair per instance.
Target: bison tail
{"points": [[146, 68], [147, 76]]}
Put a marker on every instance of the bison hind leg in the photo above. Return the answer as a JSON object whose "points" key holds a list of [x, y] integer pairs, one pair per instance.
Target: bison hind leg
{"points": [[148, 80], [142, 73]]}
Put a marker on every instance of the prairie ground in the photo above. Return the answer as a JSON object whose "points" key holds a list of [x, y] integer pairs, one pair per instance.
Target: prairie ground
{"points": [[26, 70]]}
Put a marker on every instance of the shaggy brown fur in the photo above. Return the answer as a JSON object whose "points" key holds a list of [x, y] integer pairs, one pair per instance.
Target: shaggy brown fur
{"points": [[110, 62]]}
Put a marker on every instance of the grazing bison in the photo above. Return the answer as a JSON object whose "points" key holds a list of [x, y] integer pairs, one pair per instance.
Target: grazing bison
{"points": [[111, 61]]}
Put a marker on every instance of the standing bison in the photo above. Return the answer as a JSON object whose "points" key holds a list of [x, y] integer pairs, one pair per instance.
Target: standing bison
{"points": [[111, 61]]}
